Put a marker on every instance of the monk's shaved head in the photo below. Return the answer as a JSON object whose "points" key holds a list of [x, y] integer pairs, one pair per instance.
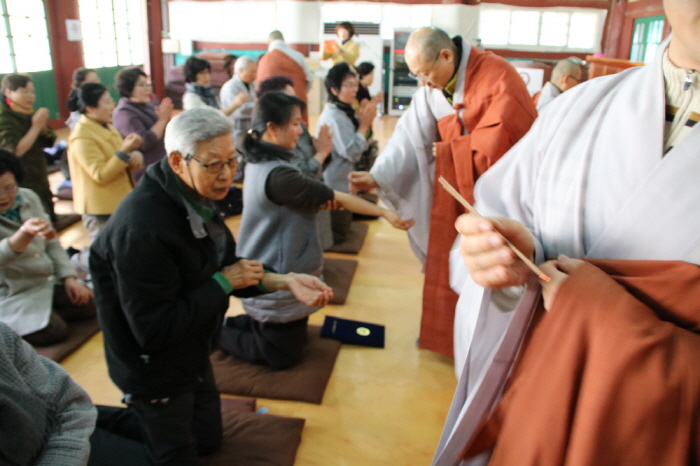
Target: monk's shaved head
{"points": [[564, 67], [427, 42], [431, 56]]}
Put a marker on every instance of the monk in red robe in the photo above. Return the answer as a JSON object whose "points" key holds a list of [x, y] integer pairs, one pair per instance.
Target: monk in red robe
{"points": [[473, 106]]}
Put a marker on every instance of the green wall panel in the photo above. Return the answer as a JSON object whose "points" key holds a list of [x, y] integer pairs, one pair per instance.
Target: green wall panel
{"points": [[45, 86]]}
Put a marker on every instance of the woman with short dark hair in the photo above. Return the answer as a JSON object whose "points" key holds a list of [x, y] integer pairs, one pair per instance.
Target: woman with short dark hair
{"points": [[349, 142], [344, 49], [136, 113], [26, 133], [278, 229], [39, 292], [199, 93], [80, 77]]}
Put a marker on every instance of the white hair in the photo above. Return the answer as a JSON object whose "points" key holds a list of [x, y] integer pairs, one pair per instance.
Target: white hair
{"points": [[193, 126], [242, 63]]}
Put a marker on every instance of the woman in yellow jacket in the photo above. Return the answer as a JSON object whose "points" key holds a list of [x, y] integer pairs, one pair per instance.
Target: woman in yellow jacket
{"points": [[99, 159], [345, 49]]}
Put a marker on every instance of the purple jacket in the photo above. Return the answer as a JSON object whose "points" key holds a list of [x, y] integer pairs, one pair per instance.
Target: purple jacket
{"points": [[133, 117]]}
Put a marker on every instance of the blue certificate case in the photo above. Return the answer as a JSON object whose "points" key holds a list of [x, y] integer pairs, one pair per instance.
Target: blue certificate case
{"points": [[353, 332]]}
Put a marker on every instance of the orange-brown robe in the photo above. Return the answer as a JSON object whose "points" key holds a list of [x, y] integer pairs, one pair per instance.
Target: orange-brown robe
{"points": [[495, 111], [278, 63], [609, 376]]}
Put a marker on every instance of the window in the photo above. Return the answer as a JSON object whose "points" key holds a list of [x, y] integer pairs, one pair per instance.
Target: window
{"points": [[646, 38], [113, 33], [24, 37], [541, 29]]}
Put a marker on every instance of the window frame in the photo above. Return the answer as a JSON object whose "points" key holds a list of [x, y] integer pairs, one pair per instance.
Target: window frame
{"points": [[12, 49], [597, 35]]}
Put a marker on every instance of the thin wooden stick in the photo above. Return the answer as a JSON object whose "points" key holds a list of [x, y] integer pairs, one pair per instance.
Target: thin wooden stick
{"points": [[448, 187]]}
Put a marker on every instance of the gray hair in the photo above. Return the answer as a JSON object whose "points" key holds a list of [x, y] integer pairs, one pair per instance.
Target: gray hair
{"points": [[564, 67], [242, 63], [187, 129], [275, 35]]}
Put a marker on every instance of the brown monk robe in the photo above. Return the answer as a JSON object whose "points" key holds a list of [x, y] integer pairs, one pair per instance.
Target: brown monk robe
{"points": [[609, 376], [278, 63], [496, 111]]}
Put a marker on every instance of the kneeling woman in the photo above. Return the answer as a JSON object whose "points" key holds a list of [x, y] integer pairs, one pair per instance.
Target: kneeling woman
{"points": [[38, 289], [278, 228]]}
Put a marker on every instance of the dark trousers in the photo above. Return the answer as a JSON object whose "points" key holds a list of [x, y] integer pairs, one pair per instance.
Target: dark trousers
{"points": [[63, 311], [178, 430], [278, 346], [341, 220], [118, 439]]}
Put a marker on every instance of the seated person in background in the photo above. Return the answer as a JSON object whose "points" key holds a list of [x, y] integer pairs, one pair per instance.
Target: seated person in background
{"points": [[241, 88], [344, 49], [26, 134], [38, 288], [349, 141], [309, 155], [365, 72], [136, 113], [199, 93], [565, 75], [278, 228], [163, 271], [47, 418], [80, 77]]}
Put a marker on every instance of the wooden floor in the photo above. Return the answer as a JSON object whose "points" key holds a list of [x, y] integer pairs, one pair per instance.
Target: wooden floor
{"points": [[382, 406]]}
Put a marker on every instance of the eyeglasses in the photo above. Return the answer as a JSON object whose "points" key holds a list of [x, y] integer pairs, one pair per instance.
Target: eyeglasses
{"points": [[351, 85], [214, 168], [9, 189], [425, 75]]}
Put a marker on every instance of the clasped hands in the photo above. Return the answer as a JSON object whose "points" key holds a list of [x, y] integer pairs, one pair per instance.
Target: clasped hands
{"points": [[306, 289], [492, 264]]}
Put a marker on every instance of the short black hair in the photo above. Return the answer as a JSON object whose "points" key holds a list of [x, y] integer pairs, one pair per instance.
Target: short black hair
{"points": [[14, 81], [335, 77], [89, 95], [274, 83], [9, 162], [79, 76], [364, 68], [193, 66], [126, 79]]}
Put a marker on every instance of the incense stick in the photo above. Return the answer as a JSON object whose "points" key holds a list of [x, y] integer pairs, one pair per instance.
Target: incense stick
{"points": [[448, 187]]}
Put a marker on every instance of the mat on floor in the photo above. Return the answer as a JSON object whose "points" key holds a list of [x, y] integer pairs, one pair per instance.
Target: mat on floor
{"points": [[355, 240], [304, 382], [80, 331], [252, 439], [65, 220], [338, 274]]}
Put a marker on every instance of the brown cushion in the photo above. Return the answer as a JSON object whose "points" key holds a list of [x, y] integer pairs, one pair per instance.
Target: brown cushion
{"points": [[252, 439], [304, 382], [338, 274], [355, 240], [79, 332]]}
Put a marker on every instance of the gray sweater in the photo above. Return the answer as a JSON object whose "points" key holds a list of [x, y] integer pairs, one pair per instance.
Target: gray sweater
{"points": [[282, 237], [47, 419], [27, 279]]}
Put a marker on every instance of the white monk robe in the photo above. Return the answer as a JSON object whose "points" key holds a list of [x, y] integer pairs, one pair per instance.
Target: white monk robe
{"points": [[590, 179], [548, 93], [405, 170]]}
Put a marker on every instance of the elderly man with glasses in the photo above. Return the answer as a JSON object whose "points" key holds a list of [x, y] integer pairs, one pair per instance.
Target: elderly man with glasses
{"points": [[473, 106], [163, 271]]}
